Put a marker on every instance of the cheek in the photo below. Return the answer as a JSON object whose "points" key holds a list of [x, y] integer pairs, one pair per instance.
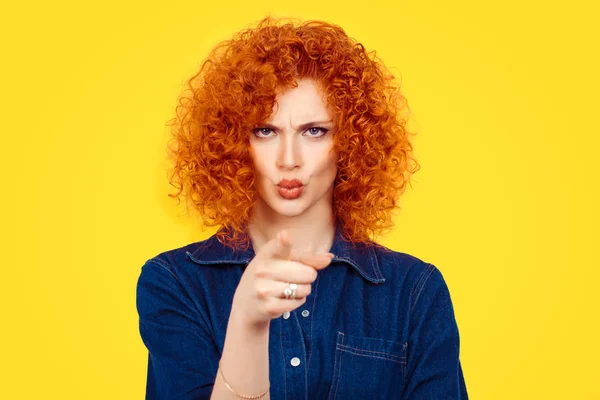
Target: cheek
{"points": [[259, 162], [261, 170], [326, 161]]}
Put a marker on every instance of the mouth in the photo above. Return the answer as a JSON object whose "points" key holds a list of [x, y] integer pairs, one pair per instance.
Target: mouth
{"points": [[290, 193], [290, 189], [290, 184]]}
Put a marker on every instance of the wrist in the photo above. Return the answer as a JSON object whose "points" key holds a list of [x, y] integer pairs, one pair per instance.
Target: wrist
{"points": [[239, 318]]}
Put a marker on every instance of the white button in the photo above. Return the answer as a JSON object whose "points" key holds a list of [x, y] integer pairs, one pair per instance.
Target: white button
{"points": [[305, 313], [286, 315], [295, 361]]}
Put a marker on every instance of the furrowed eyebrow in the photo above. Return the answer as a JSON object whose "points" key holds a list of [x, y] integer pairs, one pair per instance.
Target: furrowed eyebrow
{"points": [[301, 128]]}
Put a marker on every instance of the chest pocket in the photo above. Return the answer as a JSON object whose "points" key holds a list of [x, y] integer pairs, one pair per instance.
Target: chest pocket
{"points": [[367, 368]]}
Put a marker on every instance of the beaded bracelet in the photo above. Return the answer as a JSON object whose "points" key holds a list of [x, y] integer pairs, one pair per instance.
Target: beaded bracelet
{"points": [[236, 393]]}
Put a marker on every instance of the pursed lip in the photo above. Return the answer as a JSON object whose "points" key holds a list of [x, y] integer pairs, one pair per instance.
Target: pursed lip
{"points": [[290, 184]]}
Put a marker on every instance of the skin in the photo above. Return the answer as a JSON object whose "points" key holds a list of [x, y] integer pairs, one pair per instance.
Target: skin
{"points": [[283, 149], [295, 254]]}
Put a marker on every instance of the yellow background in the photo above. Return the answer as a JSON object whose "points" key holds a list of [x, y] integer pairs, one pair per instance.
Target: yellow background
{"points": [[504, 99]]}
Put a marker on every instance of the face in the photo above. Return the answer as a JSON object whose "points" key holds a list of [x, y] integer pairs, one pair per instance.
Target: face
{"points": [[291, 153]]}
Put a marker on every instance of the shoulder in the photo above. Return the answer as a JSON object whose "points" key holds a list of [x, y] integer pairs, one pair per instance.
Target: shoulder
{"points": [[413, 274], [178, 256], [204, 252], [395, 263], [178, 267], [187, 278]]}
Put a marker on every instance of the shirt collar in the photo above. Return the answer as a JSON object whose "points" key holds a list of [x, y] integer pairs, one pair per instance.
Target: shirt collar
{"points": [[359, 256]]}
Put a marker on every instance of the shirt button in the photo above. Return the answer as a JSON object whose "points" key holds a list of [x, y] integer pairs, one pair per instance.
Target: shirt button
{"points": [[295, 361], [286, 315], [305, 313]]}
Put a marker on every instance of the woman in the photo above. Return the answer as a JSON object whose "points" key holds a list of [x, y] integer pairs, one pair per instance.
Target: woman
{"points": [[291, 139]]}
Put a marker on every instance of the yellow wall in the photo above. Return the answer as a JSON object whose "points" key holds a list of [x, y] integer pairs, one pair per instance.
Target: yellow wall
{"points": [[504, 100]]}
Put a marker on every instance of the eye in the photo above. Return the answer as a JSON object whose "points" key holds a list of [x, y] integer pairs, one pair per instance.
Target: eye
{"points": [[317, 131], [262, 132]]}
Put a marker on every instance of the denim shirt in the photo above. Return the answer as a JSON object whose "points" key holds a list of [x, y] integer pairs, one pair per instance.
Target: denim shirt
{"points": [[378, 324]]}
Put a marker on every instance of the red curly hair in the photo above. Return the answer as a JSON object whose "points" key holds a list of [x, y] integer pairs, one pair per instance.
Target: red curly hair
{"points": [[234, 91]]}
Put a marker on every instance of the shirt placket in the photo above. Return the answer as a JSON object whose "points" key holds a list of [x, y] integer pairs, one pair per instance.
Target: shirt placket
{"points": [[296, 346], [294, 356]]}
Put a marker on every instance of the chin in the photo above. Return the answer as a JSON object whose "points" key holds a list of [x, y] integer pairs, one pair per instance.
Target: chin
{"points": [[284, 207]]}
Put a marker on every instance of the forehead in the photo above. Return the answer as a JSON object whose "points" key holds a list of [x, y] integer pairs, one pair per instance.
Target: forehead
{"points": [[306, 100]]}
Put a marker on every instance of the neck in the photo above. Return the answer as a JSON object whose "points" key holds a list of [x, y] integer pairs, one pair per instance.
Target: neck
{"points": [[310, 231]]}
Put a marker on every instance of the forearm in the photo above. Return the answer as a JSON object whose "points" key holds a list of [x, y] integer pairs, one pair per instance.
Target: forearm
{"points": [[245, 360]]}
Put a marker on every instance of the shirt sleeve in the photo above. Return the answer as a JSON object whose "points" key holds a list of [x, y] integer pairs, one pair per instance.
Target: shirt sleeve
{"points": [[182, 357], [433, 366]]}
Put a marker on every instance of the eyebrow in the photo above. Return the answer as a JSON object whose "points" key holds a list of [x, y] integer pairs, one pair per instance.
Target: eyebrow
{"points": [[301, 127]]}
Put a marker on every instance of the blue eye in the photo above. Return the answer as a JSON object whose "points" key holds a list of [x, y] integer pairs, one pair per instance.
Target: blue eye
{"points": [[313, 132], [261, 131], [317, 130]]}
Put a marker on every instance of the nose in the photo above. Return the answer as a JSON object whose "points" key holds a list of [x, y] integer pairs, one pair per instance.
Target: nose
{"points": [[288, 156]]}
